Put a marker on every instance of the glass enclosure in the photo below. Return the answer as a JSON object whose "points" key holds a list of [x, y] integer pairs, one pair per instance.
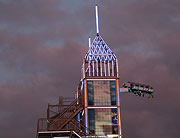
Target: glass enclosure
{"points": [[103, 121], [101, 92]]}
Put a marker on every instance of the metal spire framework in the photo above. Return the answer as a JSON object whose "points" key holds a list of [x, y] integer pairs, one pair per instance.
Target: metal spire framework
{"points": [[100, 60], [95, 112], [100, 51]]}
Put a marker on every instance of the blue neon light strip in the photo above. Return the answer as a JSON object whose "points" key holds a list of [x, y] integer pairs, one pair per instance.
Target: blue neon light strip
{"points": [[118, 92], [85, 93], [99, 51]]}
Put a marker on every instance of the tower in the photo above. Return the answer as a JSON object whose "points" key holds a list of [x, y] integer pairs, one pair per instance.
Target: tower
{"points": [[95, 112], [101, 88]]}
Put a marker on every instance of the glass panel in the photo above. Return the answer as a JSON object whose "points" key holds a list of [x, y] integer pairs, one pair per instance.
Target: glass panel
{"points": [[91, 120], [90, 92], [101, 92], [103, 121], [113, 92]]}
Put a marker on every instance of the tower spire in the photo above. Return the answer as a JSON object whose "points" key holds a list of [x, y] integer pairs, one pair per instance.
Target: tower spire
{"points": [[89, 41], [97, 23]]}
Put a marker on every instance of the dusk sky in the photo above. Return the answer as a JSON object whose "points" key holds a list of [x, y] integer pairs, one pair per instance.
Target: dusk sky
{"points": [[43, 43]]}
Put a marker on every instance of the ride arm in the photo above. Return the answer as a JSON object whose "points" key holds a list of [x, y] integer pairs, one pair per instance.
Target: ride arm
{"points": [[137, 89]]}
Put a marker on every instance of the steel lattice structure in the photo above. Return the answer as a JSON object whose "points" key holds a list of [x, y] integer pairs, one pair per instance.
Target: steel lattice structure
{"points": [[99, 51]]}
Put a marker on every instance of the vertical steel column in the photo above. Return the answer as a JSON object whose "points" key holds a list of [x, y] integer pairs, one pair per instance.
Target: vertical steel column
{"points": [[118, 107], [97, 68], [112, 68], [108, 69], [86, 104], [89, 68], [84, 68], [104, 68], [117, 68], [93, 67], [101, 67]]}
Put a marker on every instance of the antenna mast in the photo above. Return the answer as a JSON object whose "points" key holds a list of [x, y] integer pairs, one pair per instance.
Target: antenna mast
{"points": [[97, 23], [89, 41]]}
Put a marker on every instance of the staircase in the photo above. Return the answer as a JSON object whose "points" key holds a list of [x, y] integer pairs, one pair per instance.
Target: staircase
{"points": [[67, 120], [67, 115]]}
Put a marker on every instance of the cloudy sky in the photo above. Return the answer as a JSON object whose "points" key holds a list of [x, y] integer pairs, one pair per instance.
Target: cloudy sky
{"points": [[43, 43]]}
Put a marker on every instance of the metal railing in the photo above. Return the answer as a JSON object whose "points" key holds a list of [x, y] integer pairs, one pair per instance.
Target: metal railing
{"points": [[62, 119], [54, 110], [66, 121], [72, 125]]}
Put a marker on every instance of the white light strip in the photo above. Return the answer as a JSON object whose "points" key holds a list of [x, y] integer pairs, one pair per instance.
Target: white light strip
{"points": [[118, 92], [97, 68], [89, 42], [100, 107], [105, 67], [124, 90], [108, 69], [76, 134], [101, 67], [119, 111], [119, 120], [85, 93], [112, 135], [83, 70], [96, 136], [97, 23], [101, 79], [112, 68], [89, 68], [86, 111], [117, 70], [93, 67], [61, 137], [54, 131]]}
